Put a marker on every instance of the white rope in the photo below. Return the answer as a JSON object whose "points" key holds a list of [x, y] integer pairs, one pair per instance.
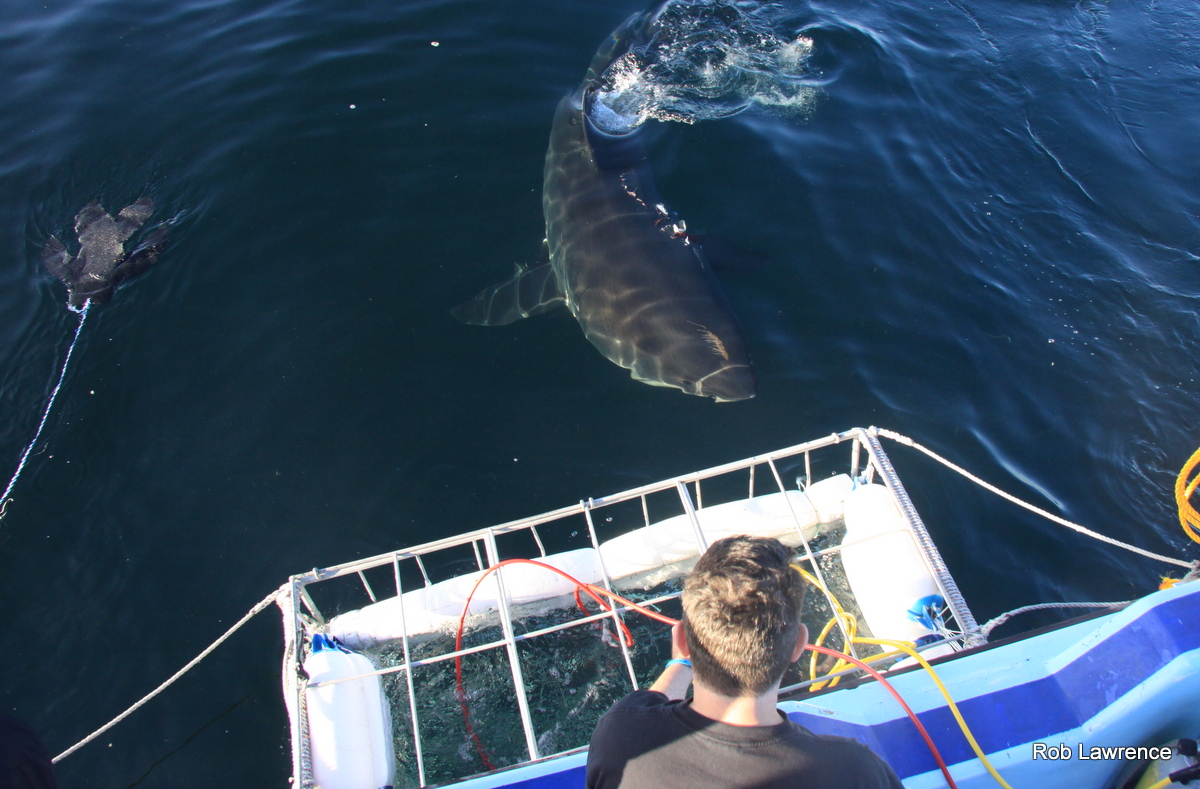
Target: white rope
{"points": [[994, 623], [83, 312], [1009, 497], [266, 601]]}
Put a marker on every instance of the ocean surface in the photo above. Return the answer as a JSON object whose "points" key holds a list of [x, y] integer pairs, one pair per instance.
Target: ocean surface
{"points": [[983, 232]]}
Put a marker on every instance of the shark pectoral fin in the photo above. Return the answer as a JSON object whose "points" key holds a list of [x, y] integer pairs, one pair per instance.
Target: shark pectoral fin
{"points": [[530, 291], [57, 260]]}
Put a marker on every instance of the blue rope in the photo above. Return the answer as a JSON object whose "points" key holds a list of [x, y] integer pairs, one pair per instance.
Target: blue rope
{"points": [[83, 312]]}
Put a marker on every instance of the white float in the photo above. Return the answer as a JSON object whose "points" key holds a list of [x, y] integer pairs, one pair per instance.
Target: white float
{"points": [[349, 724], [439, 606], [775, 515], [885, 569]]}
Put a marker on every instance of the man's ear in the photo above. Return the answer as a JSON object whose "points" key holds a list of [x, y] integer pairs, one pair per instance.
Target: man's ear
{"points": [[801, 643], [679, 640]]}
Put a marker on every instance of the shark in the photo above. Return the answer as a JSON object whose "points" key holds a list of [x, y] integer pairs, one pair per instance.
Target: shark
{"points": [[621, 260], [102, 262]]}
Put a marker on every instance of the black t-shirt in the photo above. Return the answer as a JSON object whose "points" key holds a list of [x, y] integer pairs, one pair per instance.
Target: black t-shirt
{"points": [[647, 741], [24, 759]]}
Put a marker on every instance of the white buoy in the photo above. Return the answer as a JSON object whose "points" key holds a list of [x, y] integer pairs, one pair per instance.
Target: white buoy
{"points": [[439, 606], [891, 581], [783, 516], [349, 723]]}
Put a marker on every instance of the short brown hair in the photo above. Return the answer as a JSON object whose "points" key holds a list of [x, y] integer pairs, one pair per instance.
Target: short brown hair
{"points": [[741, 614]]}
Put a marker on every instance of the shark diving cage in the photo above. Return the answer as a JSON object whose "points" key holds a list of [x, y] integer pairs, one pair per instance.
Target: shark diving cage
{"points": [[419, 667]]}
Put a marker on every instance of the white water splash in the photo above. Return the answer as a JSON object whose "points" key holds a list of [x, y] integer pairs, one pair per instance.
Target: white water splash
{"points": [[704, 60]]}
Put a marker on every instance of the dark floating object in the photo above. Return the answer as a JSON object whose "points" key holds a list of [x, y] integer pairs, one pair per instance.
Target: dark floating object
{"points": [[90, 277], [102, 262]]}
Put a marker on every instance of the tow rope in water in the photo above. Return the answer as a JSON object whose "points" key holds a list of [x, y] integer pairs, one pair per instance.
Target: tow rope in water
{"points": [[83, 313], [908, 442], [262, 604]]}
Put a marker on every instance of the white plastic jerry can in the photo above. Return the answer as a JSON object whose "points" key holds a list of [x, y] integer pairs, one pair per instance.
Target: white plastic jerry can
{"points": [[349, 723], [891, 581]]}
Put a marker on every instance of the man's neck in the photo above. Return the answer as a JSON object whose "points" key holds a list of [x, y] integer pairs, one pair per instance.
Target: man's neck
{"points": [[736, 710]]}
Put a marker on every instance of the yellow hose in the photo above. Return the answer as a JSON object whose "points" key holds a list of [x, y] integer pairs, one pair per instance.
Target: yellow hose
{"points": [[848, 621], [962, 724], [851, 626], [898, 647], [1189, 519]]}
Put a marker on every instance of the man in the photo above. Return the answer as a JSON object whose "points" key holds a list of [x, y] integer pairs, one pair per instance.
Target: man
{"points": [[24, 759], [740, 630]]}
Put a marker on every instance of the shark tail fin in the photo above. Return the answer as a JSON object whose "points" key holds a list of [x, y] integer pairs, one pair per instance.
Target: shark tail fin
{"points": [[530, 291]]}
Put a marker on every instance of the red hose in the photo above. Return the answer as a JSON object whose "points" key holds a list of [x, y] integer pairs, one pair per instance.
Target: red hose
{"points": [[937, 756]]}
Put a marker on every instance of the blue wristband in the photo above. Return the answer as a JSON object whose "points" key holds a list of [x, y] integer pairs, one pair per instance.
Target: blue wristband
{"points": [[679, 661]]}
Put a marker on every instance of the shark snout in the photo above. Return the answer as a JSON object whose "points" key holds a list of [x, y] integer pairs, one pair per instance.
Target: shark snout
{"points": [[728, 384]]}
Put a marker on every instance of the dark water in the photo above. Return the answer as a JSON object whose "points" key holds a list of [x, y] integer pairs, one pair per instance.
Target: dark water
{"points": [[985, 236]]}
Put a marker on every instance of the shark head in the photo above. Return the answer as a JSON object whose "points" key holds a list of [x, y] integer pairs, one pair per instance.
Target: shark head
{"points": [[704, 369]]}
